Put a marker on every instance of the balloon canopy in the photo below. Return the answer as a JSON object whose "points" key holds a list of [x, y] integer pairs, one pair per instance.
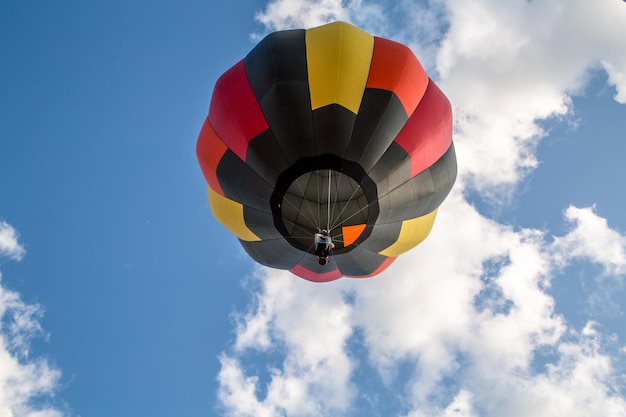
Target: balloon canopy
{"points": [[329, 128]]}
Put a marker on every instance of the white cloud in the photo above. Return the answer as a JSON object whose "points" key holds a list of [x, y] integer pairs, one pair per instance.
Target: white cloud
{"points": [[474, 308], [592, 239], [507, 65], [291, 14], [473, 293], [468, 315], [237, 392], [313, 377], [9, 245], [580, 383], [617, 77], [24, 381], [295, 14]]}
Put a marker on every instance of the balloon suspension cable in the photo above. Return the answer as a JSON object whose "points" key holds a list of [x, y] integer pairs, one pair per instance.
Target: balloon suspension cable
{"points": [[308, 203], [297, 226], [330, 173], [362, 208], [319, 187], [335, 198], [355, 213], [310, 220], [337, 222]]}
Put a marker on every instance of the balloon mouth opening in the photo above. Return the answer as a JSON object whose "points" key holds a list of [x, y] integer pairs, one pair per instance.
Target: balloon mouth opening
{"points": [[300, 202], [325, 199]]}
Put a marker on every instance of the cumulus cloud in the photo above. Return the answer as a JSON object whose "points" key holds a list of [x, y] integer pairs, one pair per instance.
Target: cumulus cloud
{"points": [[581, 382], [25, 382], [592, 239], [475, 309], [295, 14], [9, 245], [507, 65], [465, 324], [313, 375]]}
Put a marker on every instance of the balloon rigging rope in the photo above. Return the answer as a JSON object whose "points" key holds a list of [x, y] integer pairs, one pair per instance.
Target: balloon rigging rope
{"points": [[330, 174], [319, 188], [308, 204], [357, 212], [337, 222], [297, 226], [310, 220], [337, 185]]}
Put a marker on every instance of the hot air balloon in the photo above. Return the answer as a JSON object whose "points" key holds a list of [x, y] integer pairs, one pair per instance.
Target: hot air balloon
{"points": [[330, 128]]}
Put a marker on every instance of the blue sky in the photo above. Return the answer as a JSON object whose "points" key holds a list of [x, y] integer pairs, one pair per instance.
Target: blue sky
{"points": [[121, 295]]}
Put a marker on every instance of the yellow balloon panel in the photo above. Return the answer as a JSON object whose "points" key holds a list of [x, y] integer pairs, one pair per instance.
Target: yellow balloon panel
{"points": [[230, 214], [413, 232], [338, 59]]}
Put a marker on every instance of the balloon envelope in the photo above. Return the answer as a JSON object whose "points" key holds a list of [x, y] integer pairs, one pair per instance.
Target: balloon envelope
{"points": [[330, 128]]}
